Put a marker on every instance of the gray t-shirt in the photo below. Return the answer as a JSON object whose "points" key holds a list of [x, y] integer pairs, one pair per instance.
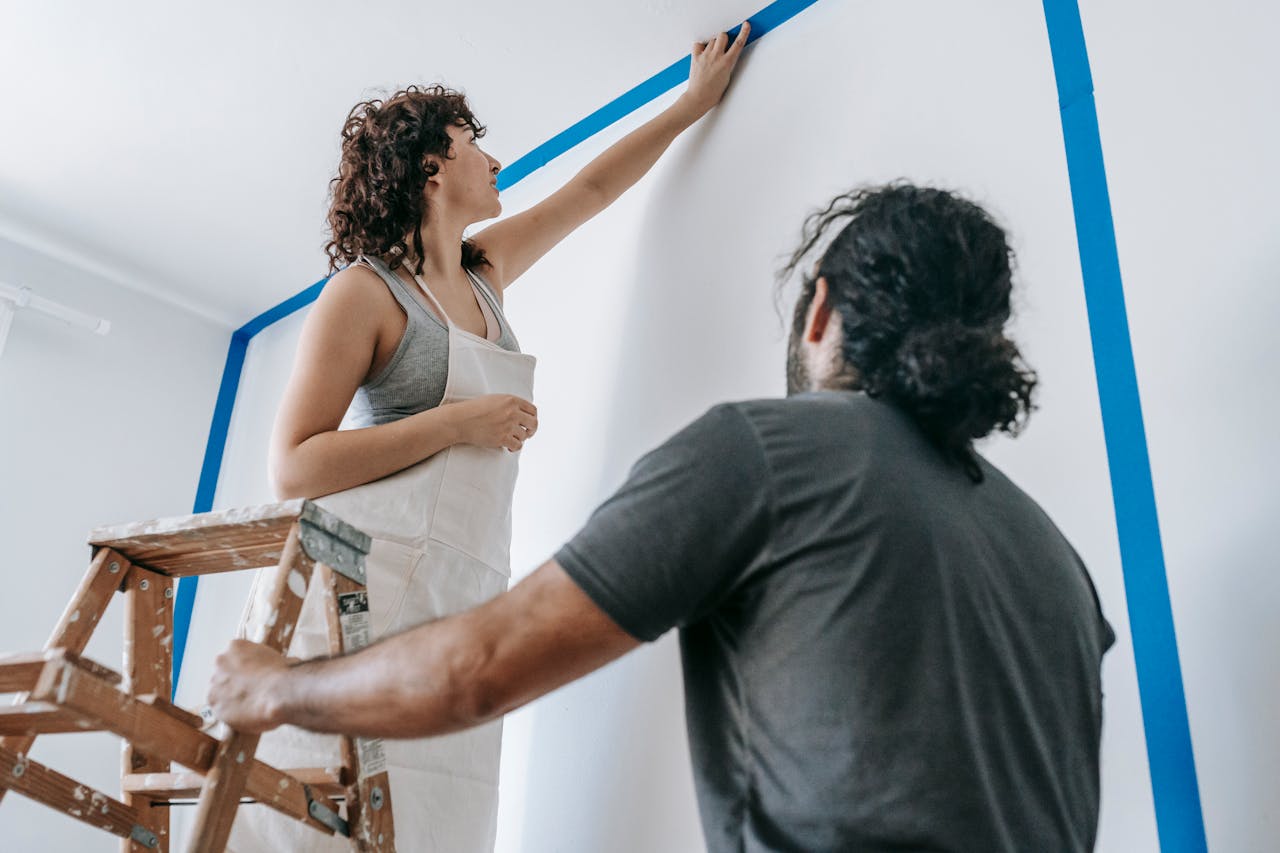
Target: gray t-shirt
{"points": [[879, 653]]}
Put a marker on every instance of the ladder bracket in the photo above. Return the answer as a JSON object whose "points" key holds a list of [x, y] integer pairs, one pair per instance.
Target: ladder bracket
{"points": [[326, 815], [144, 836], [328, 539]]}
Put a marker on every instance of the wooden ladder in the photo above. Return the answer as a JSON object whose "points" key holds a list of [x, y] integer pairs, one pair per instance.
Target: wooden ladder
{"points": [[59, 691]]}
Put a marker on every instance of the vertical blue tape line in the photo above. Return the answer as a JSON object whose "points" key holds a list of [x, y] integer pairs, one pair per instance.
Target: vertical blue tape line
{"points": [[216, 445], [208, 485], [1177, 801], [764, 21], [1179, 820]]}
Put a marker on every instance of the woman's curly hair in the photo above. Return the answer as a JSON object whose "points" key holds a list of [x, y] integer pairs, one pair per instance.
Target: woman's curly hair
{"points": [[922, 279], [377, 199]]}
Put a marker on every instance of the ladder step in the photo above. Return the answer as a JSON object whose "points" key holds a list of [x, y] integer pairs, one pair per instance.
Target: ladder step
{"points": [[224, 541], [178, 786]]}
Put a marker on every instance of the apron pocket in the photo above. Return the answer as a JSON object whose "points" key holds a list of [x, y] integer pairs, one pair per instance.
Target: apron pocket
{"points": [[447, 581], [473, 510], [389, 571]]}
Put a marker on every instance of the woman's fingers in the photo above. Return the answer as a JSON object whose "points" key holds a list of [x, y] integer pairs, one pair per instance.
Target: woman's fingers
{"points": [[720, 44]]}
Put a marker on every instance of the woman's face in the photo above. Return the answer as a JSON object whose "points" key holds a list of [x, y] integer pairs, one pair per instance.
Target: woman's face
{"points": [[468, 181]]}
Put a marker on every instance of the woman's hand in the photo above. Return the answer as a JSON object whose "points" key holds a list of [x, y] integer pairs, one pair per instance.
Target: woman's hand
{"points": [[515, 243], [712, 66], [495, 420]]}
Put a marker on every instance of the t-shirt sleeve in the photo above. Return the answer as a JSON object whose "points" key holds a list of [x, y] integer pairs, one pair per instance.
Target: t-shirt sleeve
{"points": [[674, 540]]}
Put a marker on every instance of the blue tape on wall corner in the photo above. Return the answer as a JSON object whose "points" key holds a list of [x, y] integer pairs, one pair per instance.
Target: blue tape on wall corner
{"points": [[764, 21], [215, 446], [1179, 819]]}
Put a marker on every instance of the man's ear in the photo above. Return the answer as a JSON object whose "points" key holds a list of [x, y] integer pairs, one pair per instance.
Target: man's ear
{"points": [[820, 309]]}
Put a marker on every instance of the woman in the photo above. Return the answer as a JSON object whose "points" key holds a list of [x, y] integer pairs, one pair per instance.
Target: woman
{"points": [[410, 342]]}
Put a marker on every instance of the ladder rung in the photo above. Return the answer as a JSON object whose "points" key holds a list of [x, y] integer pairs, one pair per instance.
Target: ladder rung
{"points": [[66, 795], [42, 718], [18, 673], [178, 786], [182, 714]]}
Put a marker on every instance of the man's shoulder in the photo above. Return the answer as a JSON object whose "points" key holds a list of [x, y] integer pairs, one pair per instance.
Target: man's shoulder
{"points": [[850, 412]]}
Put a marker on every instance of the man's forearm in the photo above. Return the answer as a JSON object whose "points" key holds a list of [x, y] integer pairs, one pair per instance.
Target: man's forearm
{"points": [[441, 677], [417, 683]]}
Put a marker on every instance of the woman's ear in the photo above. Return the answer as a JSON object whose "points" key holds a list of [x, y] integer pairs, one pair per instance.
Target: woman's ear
{"points": [[433, 165]]}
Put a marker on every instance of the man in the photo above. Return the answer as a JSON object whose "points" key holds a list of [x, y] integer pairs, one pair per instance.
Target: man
{"points": [[886, 644]]}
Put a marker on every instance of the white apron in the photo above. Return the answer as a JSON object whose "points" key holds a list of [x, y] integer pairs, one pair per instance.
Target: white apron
{"points": [[441, 534]]}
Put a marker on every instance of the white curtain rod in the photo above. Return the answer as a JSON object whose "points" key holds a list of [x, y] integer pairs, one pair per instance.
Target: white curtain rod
{"points": [[22, 297]]}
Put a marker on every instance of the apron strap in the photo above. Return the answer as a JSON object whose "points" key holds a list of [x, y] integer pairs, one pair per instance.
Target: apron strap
{"points": [[431, 297], [490, 318]]}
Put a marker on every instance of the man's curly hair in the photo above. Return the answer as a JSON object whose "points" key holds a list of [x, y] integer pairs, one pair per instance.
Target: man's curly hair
{"points": [[377, 199], [921, 279]]}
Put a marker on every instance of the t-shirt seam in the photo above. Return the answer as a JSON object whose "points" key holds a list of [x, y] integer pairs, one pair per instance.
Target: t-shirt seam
{"points": [[748, 756]]}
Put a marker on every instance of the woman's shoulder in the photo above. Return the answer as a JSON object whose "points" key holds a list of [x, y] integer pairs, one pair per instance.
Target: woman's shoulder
{"points": [[357, 283], [357, 296]]}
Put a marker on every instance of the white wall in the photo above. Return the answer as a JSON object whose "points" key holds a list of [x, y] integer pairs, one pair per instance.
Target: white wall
{"points": [[1186, 94], [846, 93], [663, 306], [93, 430]]}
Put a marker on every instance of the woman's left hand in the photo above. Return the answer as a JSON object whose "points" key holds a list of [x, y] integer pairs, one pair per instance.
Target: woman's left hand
{"points": [[712, 66]]}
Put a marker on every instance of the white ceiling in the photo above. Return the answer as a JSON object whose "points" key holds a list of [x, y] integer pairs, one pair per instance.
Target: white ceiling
{"points": [[186, 151]]}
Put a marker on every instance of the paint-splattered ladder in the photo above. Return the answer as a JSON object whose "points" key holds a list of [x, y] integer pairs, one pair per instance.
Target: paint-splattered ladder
{"points": [[59, 691]]}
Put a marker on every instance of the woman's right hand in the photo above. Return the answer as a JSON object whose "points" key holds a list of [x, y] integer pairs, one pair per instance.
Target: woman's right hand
{"points": [[496, 420]]}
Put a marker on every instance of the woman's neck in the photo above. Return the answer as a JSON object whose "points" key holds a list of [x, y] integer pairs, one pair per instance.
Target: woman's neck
{"points": [[441, 249]]}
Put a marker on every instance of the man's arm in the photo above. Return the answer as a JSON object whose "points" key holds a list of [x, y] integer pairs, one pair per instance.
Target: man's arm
{"points": [[440, 677]]}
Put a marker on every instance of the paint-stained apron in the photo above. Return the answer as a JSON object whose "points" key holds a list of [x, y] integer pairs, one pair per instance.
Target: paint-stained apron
{"points": [[441, 534]]}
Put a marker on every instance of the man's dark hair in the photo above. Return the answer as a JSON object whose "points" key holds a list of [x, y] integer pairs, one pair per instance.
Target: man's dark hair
{"points": [[921, 279]]}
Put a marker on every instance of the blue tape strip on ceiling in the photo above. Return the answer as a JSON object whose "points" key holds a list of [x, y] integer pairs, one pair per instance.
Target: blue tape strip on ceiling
{"points": [[1179, 817]]}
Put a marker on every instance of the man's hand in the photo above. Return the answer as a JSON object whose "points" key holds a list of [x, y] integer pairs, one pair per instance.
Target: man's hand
{"points": [[245, 690]]}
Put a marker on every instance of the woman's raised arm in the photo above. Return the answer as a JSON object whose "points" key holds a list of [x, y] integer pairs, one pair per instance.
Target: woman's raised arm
{"points": [[513, 245]]}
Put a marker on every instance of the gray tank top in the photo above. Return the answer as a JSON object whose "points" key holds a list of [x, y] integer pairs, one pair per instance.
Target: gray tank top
{"points": [[413, 381]]}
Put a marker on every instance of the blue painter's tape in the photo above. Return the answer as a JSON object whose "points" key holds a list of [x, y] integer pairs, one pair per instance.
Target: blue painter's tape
{"points": [[764, 21], [1178, 812], [1179, 820], [277, 313], [209, 471]]}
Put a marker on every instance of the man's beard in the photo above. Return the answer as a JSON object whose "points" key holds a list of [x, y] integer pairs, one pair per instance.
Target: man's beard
{"points": [[797, 370]]}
